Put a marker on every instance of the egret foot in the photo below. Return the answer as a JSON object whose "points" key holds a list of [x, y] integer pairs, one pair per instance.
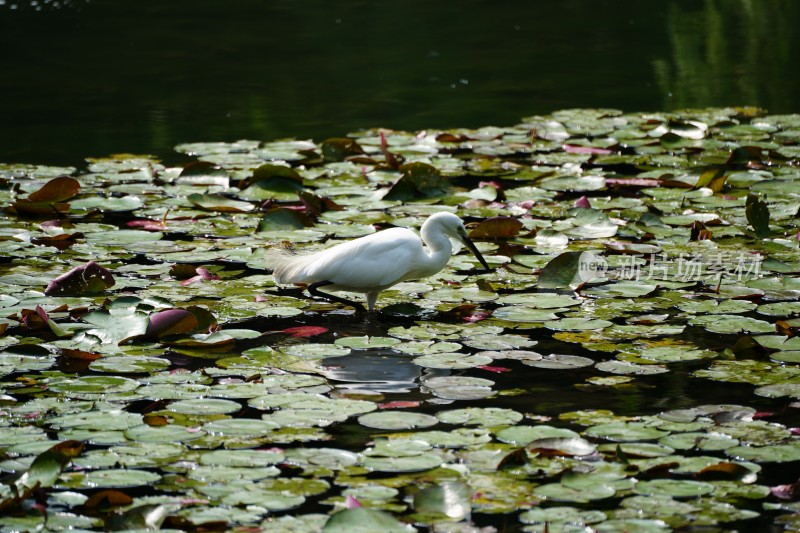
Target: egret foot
{"points": [[313, 290]]}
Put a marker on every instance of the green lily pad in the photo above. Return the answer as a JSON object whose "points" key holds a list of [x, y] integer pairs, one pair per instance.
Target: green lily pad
{"points": [[397, 420], [452, 360], [677, 488], [204, 407], [561, 493], [778, 453], [483, 416], [559, 362], [214, 202], [577, 324], [415, 463], [626, 368], [364, 520], [365, 343], [732, 324], [625, 432], [524, 435]]}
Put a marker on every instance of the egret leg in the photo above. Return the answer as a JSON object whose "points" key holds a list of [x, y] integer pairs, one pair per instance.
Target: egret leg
{"points": [[313, 290]]}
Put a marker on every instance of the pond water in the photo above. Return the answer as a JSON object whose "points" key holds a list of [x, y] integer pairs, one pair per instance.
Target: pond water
{"points": [[89, 78]]}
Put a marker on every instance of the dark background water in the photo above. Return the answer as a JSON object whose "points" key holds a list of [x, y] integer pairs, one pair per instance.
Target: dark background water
{"points": [[88, 78]]}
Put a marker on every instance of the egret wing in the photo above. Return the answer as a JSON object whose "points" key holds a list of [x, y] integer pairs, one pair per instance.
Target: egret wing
{"points": [[371, 262]]}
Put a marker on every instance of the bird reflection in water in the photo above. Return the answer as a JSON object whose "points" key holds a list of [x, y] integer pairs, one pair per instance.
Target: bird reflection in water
{"points": [[377, 370]]}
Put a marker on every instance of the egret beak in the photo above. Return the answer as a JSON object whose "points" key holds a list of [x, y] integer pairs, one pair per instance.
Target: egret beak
{"points": [[468, 242]]}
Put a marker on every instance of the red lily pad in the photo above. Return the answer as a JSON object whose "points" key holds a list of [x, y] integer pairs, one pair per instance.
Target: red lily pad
{"points": [[56, 190], [51, 197], [496, 228], [83, 279], [305, 331], [170, 322]]}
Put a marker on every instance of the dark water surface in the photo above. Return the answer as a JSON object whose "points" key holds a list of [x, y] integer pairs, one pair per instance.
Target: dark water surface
{"points": [[88, 78]]}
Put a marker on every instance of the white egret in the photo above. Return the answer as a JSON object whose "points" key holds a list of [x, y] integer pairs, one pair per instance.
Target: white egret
{"points": [[374, 263]]}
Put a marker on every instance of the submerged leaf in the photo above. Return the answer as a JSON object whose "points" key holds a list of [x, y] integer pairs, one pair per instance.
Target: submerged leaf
{"points": [[280, 218], [757, 214]]}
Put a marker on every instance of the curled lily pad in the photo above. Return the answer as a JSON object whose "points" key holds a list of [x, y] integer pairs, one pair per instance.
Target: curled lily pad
{"points": [[170, 322], [571, 269], [87, 278], [50, 197]]}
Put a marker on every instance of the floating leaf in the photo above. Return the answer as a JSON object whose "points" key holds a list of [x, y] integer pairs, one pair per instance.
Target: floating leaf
{"points": [[280, 218], [87, 278], [47, 466], [571, 270], [417, 180], [397, 420], [364, 520], [677, 488], [337, 149], [50, 197], [170, 322], [216, 202], [496, 228]]}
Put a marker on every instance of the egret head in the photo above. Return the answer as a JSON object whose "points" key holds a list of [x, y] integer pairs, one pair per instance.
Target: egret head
{"points": [[453, 227]]}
